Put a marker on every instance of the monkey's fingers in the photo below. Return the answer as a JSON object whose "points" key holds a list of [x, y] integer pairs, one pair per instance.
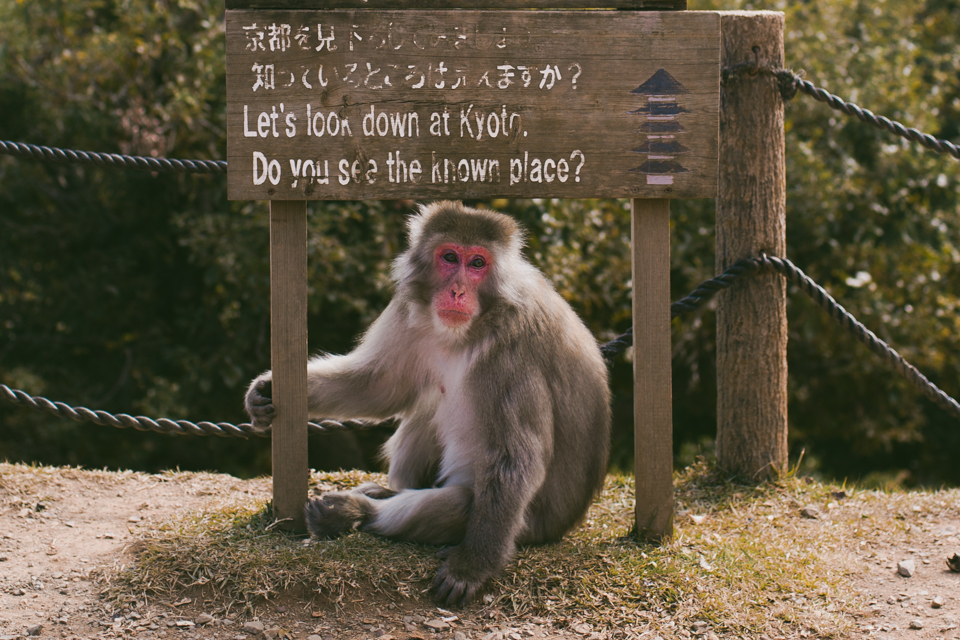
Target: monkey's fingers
{"points": [[261, 415], [259, 401]]}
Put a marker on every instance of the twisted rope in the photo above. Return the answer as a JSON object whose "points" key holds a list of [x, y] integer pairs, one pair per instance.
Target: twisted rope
{"points": [[791, 83], [161, 425], [111, 159], [696, 299], [706, 290]]}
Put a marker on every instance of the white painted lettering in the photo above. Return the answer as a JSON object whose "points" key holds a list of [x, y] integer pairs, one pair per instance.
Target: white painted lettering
{"points": [[247, 133]]}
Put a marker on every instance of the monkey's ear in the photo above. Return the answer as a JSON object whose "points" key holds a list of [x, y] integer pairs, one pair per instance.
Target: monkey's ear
{"points": [[416, 222]]}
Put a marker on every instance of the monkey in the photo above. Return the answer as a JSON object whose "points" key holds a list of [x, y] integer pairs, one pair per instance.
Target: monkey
{"points": [[500, 392]]}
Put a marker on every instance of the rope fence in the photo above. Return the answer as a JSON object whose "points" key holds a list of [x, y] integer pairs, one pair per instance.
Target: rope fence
{"points": [[790, 83], [116, 160], [695, 300]]}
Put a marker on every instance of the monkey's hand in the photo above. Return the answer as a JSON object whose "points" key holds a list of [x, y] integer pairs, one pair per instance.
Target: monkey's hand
{"points": [[459, 577], [259, 403]]}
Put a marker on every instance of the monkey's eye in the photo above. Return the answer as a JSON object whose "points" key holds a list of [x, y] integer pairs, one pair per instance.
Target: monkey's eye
{"points": [[478, 263], [450, 257]]}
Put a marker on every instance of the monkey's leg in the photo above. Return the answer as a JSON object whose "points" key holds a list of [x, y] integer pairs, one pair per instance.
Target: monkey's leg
{"points": [[430, 516]]}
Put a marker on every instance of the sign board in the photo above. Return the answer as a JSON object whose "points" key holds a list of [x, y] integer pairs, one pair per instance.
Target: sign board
{"points": [[381, 104], [659, 5]]}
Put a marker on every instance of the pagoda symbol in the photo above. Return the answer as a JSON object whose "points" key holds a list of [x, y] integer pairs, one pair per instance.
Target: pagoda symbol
{"points": [[661, 128]]}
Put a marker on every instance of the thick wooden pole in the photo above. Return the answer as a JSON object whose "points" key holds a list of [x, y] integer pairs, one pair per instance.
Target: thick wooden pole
{"points": [[751, 218], [288, 346], [653, 393]]}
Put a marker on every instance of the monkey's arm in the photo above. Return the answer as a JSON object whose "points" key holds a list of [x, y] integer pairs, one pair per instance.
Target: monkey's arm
{"points": [[375, 381], [517, 440]]}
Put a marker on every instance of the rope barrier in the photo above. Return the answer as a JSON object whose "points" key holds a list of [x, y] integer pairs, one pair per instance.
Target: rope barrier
{"points": [[706, 290], [790, 83], [162, 425], [111, 159], [696, 299]]}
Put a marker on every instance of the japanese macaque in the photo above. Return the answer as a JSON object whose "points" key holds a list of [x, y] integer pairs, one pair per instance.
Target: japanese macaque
{"points": [[501, 395]]}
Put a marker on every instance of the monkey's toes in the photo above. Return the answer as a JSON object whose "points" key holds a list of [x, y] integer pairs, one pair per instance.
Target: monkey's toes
{"points": [[452, 591], [333, 515]]}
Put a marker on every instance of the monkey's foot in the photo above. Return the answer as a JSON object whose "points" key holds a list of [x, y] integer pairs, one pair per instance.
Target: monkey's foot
{"points": [[336, 513], [454, 585]]}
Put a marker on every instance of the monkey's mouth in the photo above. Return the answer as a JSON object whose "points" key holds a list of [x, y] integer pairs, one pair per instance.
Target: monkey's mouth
{"points": [[453, 318]]}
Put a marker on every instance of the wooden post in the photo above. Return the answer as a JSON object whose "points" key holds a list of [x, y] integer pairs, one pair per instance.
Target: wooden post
{"points": [[288, 348], [751, 218], [652, 379]]}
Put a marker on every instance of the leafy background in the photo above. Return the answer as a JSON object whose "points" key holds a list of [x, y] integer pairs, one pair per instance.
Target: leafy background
{"points": [[148, 294]]}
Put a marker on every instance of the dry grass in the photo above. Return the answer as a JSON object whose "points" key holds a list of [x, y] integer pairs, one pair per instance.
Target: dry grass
{"points": [[743, 559]]}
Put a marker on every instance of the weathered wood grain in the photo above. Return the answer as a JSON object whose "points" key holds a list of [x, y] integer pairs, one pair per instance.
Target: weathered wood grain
{"points": [[472, 103], [751, 218], [288, 349], [652, 377], [658, 5]]}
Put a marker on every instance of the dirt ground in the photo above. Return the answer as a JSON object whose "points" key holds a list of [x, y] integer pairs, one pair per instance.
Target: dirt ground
{"points": [[63, 532]]}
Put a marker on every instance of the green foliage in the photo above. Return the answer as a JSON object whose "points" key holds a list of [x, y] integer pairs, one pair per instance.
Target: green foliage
{"points": [[145, 293], [874, 219]]}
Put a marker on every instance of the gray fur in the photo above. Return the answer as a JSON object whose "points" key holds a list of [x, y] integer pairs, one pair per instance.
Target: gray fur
{"points": [[504, 423]]}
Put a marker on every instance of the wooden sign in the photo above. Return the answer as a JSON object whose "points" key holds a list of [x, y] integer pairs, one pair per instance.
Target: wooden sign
{"points": [[660, 5], [372, 104]]}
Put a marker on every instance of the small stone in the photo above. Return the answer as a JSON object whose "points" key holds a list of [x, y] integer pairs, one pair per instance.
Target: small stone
{"points": [[134, 518], [204, 618], [458, 635], [314, 637], [34, 630], [436, 624], [19, 592], [916, 624], [953, 562], [906, 568], [697, 519], [185, 623], [937, 602], [4, 558], [253, 628], [273, 632], [810, 512]]}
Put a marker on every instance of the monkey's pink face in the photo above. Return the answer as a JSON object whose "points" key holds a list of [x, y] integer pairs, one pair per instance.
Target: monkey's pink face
{"points": [[461, 270]]}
